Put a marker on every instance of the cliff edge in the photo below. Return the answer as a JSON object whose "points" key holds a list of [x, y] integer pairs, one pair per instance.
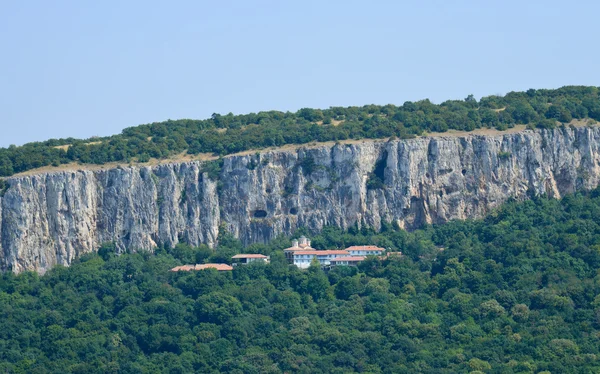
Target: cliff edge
{"points": [[51, 218]]}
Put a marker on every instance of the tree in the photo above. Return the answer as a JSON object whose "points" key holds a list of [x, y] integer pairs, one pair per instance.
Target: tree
{"points": [[471, 101], [513, 292], [107, 250], [317, 284], [522, 112], [217, 307], [6, 167], [347, 287]]}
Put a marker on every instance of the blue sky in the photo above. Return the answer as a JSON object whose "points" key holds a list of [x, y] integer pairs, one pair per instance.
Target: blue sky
{"points": [[84, 68]]}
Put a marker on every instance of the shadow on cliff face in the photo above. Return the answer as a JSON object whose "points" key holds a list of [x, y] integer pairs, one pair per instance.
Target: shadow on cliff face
{"points": [[416, 210], [259, 213], [376, 179]]}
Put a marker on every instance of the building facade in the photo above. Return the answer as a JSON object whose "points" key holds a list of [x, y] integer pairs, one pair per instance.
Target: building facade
{"points": [[347, 261], [365, 250], [247, 258], [302, 244], [303, 259]]}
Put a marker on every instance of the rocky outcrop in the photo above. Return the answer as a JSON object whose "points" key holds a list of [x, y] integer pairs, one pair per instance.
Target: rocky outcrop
{"points": [[51, 218]]}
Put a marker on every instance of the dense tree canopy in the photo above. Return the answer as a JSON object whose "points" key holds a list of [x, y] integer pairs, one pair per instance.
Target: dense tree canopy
{"points": [[226, 134], [516, 292]]}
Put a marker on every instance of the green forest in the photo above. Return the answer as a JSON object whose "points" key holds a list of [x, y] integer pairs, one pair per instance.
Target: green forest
{"points": [[516, 292], [227, 134]]}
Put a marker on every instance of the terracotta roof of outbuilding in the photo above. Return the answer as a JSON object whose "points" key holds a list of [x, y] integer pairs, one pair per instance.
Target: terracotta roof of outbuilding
{"points": [[249, 255], [183, 268], [219, 267]]}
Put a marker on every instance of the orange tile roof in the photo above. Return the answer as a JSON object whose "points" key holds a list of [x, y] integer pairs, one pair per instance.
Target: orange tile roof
{"points": [[323, 253], [365, 248], [249, 255], [183, 268], [349, 258], [219, 267]]}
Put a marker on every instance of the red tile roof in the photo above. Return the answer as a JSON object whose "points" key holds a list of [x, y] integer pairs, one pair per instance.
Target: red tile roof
{"points": [[249, 255], [183, 268], [349, 258], [322, 253], [365, 248], [219, 267]]}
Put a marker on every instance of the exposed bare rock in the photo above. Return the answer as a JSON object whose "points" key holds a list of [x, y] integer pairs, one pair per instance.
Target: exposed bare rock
{"points": [[51, 218]]}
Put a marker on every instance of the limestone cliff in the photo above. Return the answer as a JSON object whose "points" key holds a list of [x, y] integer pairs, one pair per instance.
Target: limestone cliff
{"points": [[51, 218]]}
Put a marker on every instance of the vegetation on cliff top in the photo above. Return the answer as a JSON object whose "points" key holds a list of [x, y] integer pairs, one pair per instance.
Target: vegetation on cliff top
{"points": [[517, 292], [226, 134]]}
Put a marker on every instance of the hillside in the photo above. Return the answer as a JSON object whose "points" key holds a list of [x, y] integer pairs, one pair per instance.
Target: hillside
{"points": [[230, 134], [516, 292]]}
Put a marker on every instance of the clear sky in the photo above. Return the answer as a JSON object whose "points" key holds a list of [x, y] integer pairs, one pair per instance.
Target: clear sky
{"points": [[82, 68]]}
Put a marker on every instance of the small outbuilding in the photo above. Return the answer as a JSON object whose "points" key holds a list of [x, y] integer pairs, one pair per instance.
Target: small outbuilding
{"points": [[218, 267], [246, 258]]}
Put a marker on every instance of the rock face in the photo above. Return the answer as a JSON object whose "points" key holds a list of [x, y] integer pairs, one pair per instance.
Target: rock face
{"points": [[51, 218]]}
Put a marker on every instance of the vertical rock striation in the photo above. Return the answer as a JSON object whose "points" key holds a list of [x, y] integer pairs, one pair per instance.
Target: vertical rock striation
{"points": [[51, 218]]}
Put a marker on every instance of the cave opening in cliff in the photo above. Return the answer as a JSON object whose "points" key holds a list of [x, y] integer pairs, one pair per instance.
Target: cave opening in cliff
{"points": [[260, 213], [294, 211], [376, 178]]}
